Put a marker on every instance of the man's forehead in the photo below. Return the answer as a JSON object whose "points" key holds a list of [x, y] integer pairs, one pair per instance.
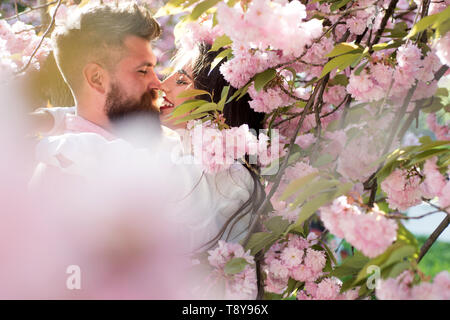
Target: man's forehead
{"points": [[139, 50]]}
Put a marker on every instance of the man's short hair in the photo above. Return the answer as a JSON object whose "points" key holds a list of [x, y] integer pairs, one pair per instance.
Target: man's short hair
{"points": [[97, 34]]}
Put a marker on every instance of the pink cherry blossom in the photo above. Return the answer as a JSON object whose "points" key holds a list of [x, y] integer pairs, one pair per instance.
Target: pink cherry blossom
{"points": [[442, 132], [237, 286], [305, 140], [370, 232], [403, 288], [315, 260], [434, 181], [402, 189], [443, 49]]}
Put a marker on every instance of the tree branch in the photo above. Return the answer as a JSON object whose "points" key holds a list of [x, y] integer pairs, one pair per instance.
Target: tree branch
{"points": [[31, 9], [50, 26], [387, 15], [284, 165], [433, 237]]}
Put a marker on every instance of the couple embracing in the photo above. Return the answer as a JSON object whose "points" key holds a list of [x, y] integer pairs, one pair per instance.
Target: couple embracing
{"points": [[118, 125]]}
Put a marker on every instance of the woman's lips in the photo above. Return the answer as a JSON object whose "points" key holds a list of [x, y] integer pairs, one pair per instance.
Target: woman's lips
{"points": [[166, 104]]}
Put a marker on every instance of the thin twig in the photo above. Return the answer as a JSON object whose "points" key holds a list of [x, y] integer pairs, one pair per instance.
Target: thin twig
{"points": [[16, 8], [436, 207], [290, 94], [403, 217], [50, 26], [31, 9]]}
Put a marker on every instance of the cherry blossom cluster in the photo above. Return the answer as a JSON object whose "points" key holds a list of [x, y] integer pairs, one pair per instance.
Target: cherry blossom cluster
{"points": [[327, 289], [370, 232], [442, 132], [242, 285], [218, 149], [404, 287], [294, 259], [405, 188], [262, 18], [17, 44], [356, 161], [297, 171], [443, 48], [375, 81]]}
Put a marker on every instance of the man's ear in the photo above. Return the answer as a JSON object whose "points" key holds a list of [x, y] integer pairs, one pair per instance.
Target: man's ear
{"points": [[96, 77]]}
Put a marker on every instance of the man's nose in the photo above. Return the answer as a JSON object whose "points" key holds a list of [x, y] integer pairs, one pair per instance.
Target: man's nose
{"points": [[154, 82]]}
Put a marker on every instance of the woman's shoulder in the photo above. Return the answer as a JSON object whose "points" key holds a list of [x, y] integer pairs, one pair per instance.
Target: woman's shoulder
{"points": [[233, 184]]}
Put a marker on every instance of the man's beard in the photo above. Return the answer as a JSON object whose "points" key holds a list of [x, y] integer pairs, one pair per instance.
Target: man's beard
{"points": [[127, 115]]}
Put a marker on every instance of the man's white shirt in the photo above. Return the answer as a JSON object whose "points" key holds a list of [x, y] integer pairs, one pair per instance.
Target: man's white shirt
{"points": [[199, 202]]}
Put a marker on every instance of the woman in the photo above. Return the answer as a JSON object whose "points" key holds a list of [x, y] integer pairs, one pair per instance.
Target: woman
{"points": [[237, 193], [192, 71]]}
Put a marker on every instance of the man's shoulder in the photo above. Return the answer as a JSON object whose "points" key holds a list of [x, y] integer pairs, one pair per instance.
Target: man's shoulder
{"points": [[76, 151]]}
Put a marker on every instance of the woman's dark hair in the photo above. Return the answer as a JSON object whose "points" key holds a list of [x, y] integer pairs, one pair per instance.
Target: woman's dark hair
{"points": [[236, 112]]}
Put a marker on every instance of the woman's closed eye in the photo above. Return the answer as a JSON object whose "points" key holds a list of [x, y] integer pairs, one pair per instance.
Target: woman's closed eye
{"points": [[144, 72], [181, 82]]}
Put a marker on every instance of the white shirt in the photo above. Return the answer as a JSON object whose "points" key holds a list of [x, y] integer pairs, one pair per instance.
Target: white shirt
{"points": [[201, 202]]}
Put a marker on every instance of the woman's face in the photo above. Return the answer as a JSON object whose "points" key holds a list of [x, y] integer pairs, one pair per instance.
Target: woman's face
{"points": [[178, 82]]}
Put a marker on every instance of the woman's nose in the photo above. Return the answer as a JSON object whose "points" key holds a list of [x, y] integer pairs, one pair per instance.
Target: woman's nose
{"points": [[165, 85]]}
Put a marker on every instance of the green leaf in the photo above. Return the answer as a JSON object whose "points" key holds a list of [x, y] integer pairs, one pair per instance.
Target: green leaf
{"points": [[337, 5], [361, 68], [294, 76], [430, 21], [311, 207], [244, 90], [220, 42], [377, 261], [340, 62], [399, 268], [313, 189], [235, 265], [406, 237], [343, 189], [222, 55], [421, 157], [343, 47], [323, 159], [295, 185], [223, 97], [387, 45], [350, 266], [259, 241], [277, 225], [329, 252], [399, 255], [300, 104], [189, 117], [261, 79], [201, 8], [186, 107], [192, 93], [339, 79], [210, 106], [399, 30]]}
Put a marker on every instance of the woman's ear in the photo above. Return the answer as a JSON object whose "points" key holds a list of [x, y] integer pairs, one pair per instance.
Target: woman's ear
{"points": [[96, 77]]}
